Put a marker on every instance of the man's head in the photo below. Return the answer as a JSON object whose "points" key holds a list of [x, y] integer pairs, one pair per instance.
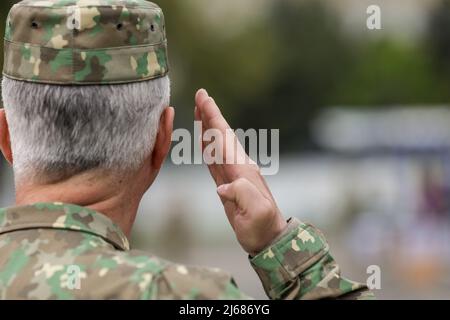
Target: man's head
{"points": [[85, 89], [58, 131]]}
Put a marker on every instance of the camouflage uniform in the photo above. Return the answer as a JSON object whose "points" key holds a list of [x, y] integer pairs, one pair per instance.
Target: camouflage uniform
{"points": [[41, 244], [46, 250], [85, 41]]}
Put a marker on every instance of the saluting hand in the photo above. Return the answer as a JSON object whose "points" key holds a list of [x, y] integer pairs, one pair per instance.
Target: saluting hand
{"points": [[248, 202]]}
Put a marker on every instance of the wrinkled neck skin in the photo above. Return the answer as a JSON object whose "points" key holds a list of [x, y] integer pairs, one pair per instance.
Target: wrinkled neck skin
{"points": [[116, 196]]}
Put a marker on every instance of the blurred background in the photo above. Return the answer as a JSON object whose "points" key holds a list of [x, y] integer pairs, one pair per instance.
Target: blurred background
{"points": [[364, 119]]}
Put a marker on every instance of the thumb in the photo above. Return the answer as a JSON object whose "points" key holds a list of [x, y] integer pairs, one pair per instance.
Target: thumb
{"points": [[226, 192], [242, 192]]}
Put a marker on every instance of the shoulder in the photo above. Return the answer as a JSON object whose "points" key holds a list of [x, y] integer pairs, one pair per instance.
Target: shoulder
{"points": [[149, 277], [193, 282], [119, 274]]}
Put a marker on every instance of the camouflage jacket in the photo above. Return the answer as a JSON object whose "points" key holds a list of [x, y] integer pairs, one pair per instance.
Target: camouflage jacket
{"points": [[59, 251]]}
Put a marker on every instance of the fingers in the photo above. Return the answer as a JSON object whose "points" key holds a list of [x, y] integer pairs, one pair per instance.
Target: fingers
{"points": [[235, 162], [209, 112], [212, 118], [200, 97]]}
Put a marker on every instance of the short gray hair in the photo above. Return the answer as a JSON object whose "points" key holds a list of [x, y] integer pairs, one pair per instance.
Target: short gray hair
{"points": [[58, 131]]}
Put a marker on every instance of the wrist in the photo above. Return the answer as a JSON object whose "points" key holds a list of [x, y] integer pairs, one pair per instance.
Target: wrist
{"points": [[279, 229]]}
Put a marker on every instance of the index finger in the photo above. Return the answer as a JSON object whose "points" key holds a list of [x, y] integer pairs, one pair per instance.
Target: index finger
{"points": [[212, 118], [211, 115]]}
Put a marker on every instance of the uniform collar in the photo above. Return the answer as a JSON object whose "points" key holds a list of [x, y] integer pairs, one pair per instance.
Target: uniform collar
{"points": [[62, 216]]}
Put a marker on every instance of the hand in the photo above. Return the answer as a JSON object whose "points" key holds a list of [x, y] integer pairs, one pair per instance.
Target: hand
{"points": [[248, 202]]}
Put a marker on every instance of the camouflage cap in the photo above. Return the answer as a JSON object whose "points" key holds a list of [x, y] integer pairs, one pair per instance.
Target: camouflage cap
{"points": [[78, 42]]}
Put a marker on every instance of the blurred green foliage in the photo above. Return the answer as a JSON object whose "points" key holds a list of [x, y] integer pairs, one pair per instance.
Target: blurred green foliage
{"points": [[281, 70], [386, 72]]}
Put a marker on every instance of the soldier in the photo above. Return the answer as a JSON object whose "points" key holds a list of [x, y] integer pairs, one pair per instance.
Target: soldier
{"points": [[87, 127]]}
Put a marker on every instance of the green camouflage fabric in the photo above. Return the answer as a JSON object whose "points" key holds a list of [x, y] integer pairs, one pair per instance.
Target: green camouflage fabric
{"points": [[62, 251], [76, 42], [298, 265]]}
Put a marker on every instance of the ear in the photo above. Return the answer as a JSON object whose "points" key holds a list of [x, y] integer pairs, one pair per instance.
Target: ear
{"points": [[5, 142], [163, 139]]}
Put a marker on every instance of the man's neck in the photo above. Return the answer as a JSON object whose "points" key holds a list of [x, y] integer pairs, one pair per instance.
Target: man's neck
{"points": [[110, 195]]}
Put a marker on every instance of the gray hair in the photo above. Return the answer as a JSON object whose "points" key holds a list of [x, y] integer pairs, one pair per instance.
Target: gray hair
{"points": [[58, 131]]}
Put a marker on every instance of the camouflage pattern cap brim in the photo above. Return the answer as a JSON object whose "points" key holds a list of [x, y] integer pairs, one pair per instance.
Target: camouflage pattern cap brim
{"points": [[78, 42]]}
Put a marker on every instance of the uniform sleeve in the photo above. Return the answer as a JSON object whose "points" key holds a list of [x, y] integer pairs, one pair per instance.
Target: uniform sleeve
{"points": [[298, 265]]}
